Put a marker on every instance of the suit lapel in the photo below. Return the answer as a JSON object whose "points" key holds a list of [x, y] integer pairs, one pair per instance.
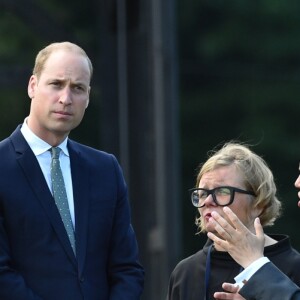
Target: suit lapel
{"points": [[36, 180], [80, 181]]}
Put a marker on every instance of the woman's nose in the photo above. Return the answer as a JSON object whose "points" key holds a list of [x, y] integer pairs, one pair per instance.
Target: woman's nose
{"points": [[209, 200]]}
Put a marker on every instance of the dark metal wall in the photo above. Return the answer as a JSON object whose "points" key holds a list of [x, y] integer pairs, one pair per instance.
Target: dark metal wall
{"points": [[141, 88]]}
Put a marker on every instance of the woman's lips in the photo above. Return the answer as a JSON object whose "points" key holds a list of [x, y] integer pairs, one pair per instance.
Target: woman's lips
{"points": [[207, 216]]}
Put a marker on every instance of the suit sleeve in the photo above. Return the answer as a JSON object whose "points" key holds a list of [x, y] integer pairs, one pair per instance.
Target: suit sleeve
{"points": [[12, 284], [126, 275], [270, 283]]}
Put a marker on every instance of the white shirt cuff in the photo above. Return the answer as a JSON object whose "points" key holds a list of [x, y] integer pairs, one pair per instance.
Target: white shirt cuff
{"points": [[245, 275]]}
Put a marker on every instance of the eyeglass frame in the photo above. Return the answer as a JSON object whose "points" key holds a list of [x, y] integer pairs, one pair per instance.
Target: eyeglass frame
{"points": [[211, 192]]}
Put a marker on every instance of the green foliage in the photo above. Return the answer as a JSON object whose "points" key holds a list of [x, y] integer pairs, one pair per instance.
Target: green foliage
{"points": [[25, 28], [16, 38], [239, 75], [13, 103]]}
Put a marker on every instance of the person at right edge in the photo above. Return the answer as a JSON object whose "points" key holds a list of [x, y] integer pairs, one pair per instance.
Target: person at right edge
{"points": [[261, 279]]}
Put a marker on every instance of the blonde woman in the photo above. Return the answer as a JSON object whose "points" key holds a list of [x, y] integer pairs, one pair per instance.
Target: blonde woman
{"points": [[236, 177]]}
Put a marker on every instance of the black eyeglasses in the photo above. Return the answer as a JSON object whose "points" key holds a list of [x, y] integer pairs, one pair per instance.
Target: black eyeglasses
{"points": [[222, 195]]}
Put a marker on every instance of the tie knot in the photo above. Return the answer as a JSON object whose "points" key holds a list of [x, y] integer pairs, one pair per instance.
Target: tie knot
{"points": [[55, 152]]}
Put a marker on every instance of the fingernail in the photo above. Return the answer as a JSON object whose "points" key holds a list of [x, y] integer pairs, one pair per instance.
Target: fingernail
{"points": [[226, 209]]}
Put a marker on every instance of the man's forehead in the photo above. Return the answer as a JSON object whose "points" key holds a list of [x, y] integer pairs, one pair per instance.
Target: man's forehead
{"points": [[66, 73], [65, 76], [68, 60]]}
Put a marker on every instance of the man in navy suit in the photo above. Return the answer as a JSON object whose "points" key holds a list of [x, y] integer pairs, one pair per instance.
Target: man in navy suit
{"points": [[260, 279], [36, 257]]}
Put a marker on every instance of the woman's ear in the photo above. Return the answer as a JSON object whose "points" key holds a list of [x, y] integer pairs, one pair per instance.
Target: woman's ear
{"points": [[257, 211]]}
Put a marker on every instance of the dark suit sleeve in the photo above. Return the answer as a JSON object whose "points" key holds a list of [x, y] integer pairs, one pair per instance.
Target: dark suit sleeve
{"points": [[126, 275], [270, 283], [12, 284]]}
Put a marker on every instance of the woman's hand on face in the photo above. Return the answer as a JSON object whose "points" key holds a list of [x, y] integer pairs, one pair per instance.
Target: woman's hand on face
{"points": [[235, 238], [230, 292]]}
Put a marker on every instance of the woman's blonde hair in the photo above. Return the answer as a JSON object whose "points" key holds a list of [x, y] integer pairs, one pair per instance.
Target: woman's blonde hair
{"points": [[258, 178]]}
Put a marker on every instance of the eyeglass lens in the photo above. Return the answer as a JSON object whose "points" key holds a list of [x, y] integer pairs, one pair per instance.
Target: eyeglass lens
{"points": [[222, 196]]}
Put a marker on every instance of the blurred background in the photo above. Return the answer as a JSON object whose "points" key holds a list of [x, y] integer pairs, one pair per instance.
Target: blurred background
{"points": [[172, 80]]}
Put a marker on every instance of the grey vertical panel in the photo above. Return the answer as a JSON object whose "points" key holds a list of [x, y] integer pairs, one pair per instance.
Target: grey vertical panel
{"points": [[140, 125]]}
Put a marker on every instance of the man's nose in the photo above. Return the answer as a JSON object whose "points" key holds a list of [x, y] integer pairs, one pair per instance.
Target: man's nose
{"points": [[66, 96]]}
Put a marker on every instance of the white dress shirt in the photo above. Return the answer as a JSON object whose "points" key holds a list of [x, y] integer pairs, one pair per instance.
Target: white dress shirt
{"points": [[245, 275], [41, 150]]}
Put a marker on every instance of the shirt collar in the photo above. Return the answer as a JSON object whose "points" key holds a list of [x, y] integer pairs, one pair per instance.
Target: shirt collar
{"points": [[37, 145]]}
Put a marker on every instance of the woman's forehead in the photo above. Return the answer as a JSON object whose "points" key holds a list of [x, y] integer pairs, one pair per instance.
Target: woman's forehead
{"points": [[222, 174]]}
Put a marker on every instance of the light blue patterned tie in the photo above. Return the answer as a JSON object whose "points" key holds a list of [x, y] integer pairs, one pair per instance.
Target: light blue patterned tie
{"points": [[60, 195]]}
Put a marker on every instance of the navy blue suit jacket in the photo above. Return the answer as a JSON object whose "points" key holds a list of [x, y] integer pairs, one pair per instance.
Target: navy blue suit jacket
{"points": [[270, 283], [36, 259]]}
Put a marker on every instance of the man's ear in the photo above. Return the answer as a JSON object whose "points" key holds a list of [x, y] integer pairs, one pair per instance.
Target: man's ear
{"points": [[88, 101], [31, 86]]}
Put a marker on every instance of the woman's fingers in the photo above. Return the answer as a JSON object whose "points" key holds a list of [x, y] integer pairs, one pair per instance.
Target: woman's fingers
{"points": [[230, 292]]}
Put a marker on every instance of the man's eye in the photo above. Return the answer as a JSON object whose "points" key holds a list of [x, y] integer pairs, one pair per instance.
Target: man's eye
{"points": [[55, 83], [79, 88]]}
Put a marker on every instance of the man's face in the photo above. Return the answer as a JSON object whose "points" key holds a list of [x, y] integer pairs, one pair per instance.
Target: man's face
{"points": [[60, 96]]}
